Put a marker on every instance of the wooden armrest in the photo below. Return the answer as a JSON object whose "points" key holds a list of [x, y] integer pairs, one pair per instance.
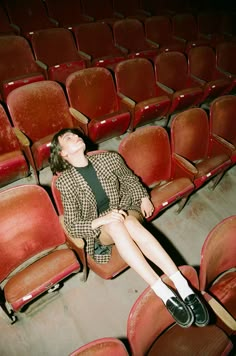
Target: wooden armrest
{"points": [[84, 55], [224, 142], [165, 88], [126, 100], [220, 311], [24, 141], [182, 162], [154, 44], [78, 116], [41, 64]]}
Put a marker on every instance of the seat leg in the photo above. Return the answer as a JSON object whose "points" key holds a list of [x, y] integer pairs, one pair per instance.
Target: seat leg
{"points": [[216, 180], [181, 204], [11, 315]]}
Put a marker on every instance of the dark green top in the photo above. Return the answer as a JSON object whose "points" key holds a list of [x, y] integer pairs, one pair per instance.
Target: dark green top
{"points": [[89, 174]]}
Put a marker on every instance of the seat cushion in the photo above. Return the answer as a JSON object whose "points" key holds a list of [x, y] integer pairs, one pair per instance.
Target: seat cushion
{"points": [[151, 109], [39, 277], [176, 341], [168, 193], [13, 166], [108, 126]]}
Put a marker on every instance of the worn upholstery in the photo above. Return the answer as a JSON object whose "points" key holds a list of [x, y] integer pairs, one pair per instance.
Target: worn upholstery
{"points": [[202, 64], [18, 66], [68, 13], [222, 121], [39, 110], [107, 118], [155, 166], [225, 59], [191, 139], [218, 265], [101, 10], [29, 17], [159, 30], [129, 33], [13, 165], [171, 70], [135, 79], [106, 346], [31, 260], [151, 330], [47, 46], [185, 27], [96, 40]]}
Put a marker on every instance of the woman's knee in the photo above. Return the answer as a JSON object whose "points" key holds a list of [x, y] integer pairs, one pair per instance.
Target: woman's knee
{"points": [[131, 221]]}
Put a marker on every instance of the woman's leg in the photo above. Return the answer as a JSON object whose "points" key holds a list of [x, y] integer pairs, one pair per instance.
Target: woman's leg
{"points": [[150, 247], [117, 233]]}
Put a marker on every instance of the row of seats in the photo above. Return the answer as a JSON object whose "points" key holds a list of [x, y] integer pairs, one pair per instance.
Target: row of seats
{"points": [[203, 67], [40, 109], [34, 15], [51, 256]]}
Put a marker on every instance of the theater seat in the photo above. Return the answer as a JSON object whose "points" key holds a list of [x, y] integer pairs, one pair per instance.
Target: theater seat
{"points": [[93, 98], [13, 164], [18, 66], [171, 71], [39, 110], [147, 153], [135, 82], [56, 50], [192, 140], [105, 346], [33, 251]]}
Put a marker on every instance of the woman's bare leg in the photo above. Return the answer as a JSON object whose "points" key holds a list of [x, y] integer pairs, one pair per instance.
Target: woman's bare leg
{"points": [[129, 251], [150, 247]]}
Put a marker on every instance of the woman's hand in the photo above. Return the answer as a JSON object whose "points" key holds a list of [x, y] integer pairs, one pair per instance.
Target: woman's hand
{"points": [[113, 216], [147, 207]]}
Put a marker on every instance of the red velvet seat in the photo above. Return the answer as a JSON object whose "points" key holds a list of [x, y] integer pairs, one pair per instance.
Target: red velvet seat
{"points": [[106, 271], [33, 251], [225, 59], [131, 8], [151, 329], [223, 123], [192, 140], [185, 27], [101, 10], [68, 13], [56, 50], [5, 27], [157, 167], [95, 41], [129, 33], [218, 267], [92, 94], [159, 30], [39, 110], [106, 346], [13, 165], [202, 65], [209, 26], [171, 71], [29, 16], [18, 66], [135, 80]]}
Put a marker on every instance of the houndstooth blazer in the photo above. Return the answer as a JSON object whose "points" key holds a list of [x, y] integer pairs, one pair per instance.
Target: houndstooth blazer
{"points": [[123, 188]]}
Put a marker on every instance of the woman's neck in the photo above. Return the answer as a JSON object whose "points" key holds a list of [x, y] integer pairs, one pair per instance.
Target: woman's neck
{"points": [[78, 160]]}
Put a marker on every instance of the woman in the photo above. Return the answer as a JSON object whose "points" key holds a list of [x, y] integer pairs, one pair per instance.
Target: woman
{"points": [[104, 202]]}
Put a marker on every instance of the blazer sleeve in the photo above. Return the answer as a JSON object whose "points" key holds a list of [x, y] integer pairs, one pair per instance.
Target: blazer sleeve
{"points": [[130, 184]]}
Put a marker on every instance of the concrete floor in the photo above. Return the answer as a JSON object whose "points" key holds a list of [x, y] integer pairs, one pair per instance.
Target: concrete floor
{"points": [[80, 312]]}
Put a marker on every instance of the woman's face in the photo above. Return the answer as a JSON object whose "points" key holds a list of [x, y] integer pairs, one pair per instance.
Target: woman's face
{"points": [[71, 144]]}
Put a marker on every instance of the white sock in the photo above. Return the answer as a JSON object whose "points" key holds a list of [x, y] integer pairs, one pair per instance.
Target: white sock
{"points": [[181, 284], [162, 290]]}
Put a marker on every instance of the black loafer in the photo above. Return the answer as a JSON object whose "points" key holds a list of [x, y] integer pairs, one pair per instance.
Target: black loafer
{"points": [[180, 312], [201, 315]]}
